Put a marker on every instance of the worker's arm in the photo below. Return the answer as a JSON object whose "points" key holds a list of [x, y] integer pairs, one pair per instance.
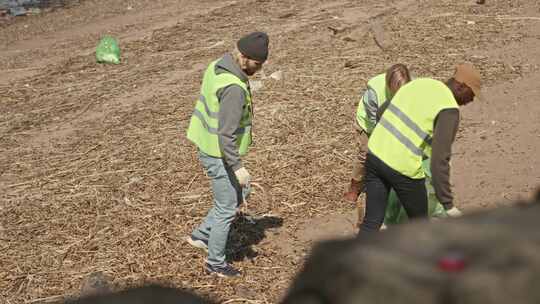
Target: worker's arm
{"points": [[381, 109], [446, 126], [371, 106], [232, 100]]}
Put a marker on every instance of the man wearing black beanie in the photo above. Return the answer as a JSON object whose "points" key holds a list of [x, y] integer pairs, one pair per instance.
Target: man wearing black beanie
{"points": [[254, 46], [220, 127]]}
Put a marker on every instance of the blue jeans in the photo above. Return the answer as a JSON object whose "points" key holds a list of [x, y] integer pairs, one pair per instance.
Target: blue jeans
{"points": [[228, 195]]}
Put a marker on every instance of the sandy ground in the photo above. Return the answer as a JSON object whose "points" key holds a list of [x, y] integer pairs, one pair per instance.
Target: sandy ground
{"points": [[96, 174]]}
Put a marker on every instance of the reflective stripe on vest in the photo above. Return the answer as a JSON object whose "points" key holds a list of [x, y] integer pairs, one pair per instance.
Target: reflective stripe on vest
{"points": [[402, 138], [214, 115], [411, 124], [203, 127], [403, 135], [198, 114], [211, 130]]}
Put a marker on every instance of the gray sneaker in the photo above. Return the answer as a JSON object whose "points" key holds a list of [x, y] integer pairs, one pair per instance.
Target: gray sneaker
{"points": [[197, 242], [225, 271]]}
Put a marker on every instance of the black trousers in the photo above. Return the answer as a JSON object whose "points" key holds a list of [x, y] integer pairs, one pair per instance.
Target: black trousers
{"points": [[379, 179]]}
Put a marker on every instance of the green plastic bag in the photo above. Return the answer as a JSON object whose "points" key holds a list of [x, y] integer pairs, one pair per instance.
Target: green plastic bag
{"points": [[395, 213], [108, 51]]}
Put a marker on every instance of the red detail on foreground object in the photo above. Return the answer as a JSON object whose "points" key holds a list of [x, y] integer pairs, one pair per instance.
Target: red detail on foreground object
{"points": [[453, 262]]}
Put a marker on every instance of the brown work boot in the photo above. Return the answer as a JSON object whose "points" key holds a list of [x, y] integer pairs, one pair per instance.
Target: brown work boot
{"points": [[354, 191]]}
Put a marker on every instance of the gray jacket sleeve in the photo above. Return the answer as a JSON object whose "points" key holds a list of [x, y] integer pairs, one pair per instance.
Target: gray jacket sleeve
{"points": [[371, 105], [381, 109], [446, 126], [232, 100]]}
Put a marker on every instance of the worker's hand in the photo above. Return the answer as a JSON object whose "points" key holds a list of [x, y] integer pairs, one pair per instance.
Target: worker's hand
{"points": [[454, 212], [243, 177]]}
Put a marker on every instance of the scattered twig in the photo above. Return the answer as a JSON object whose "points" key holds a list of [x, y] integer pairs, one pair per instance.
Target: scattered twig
{"points": [[240, 300], [50, 299]]}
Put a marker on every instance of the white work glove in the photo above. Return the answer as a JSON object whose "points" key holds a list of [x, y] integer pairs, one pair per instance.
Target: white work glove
{"points": [[243, 177], [454, 212]]}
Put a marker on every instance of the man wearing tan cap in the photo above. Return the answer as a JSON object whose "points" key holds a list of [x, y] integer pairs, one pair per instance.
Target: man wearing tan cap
{"points": [[420, 122]]}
